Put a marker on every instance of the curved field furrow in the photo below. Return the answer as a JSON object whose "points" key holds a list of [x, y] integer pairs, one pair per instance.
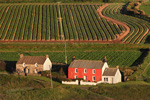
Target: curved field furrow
{"points": [[127, 29], [138, 29], [146, 30]]}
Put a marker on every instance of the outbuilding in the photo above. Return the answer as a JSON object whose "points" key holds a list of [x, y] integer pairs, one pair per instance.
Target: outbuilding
{"points": [[33, 64]]}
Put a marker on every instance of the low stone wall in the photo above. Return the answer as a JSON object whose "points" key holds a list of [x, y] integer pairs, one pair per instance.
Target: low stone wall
{"points": [[81, 82], [87, 83], [70, 82]]}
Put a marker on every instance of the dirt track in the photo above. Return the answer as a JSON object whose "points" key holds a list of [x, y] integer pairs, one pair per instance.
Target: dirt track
{"points": [[123, 34]]}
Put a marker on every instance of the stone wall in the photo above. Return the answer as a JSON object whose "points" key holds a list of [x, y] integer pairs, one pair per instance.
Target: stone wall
{"points": [[29, 68]]}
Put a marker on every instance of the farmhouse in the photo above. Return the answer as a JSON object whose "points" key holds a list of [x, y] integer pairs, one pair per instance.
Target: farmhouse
{"points": [[33, 64], [93, 71]]}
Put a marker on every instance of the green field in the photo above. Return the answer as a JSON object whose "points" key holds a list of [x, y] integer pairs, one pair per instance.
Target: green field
{"points": [[63, 1], [68, 22], [121, 58], [26, 88], [75, 22], [139, 29], [146, 9], [117, 54], [54, 22]]}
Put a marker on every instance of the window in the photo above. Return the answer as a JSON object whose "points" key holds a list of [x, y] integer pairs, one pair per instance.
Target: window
{"points": [[93, 78], [28, 70], [75, 76], [36, 65], [85, 70], [85, 78], [106, 79], [93, 71], [36, 71], [23, 64], [76, 70]]}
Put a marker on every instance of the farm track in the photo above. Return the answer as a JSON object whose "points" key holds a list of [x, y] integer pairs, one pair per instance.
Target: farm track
{"points": [[123, 34], [138, 27]]}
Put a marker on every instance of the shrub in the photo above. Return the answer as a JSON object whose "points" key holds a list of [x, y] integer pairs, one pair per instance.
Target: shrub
{"points": [[2, 65]]}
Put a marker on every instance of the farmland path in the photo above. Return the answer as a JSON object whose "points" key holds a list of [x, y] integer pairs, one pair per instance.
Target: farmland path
{"points": [[124, 33]]}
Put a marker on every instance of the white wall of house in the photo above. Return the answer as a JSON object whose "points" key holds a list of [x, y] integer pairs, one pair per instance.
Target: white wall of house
{"points": [[117, 77], [110, 79], [47, 64], [113, 79], [104, 66]]}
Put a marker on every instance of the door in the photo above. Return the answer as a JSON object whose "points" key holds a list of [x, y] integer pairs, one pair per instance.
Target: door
{"points": [[24, 70], [28, 71]]}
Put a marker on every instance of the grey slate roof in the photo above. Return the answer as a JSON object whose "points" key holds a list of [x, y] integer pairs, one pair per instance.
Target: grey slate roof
{"points": [[110, 71], [86, 64], [32, 60]]}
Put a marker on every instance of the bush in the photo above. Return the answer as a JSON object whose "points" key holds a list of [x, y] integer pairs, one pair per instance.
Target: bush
{"points": [[147, 80], [2, 65]]}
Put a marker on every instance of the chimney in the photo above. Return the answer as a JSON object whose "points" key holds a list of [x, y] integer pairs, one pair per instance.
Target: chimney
{"points": [[21, 55], [105, 59], [117, 67], [73, 58], [47, 56]]}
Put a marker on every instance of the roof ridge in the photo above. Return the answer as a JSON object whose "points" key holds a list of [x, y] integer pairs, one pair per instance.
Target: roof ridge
{"points": [[33, 56], [112, 68], [89, 60]]}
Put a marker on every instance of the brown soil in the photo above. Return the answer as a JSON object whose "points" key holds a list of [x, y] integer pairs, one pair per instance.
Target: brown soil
{"points": [[143, 35], [123, 34]]}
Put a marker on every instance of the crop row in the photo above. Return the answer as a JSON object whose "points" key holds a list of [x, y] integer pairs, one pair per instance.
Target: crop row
{"points": [[114, 58], [55, 22], [138, 27]]}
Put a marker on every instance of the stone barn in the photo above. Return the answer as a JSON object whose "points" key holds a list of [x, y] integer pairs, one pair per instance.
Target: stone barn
{"points": [[33, 64]]}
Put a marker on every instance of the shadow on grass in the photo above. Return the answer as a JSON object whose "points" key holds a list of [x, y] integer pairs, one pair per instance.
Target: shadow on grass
{"points": [[61, 68], [131, 13], [147, 41], [140, 60], [10, 66]]}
